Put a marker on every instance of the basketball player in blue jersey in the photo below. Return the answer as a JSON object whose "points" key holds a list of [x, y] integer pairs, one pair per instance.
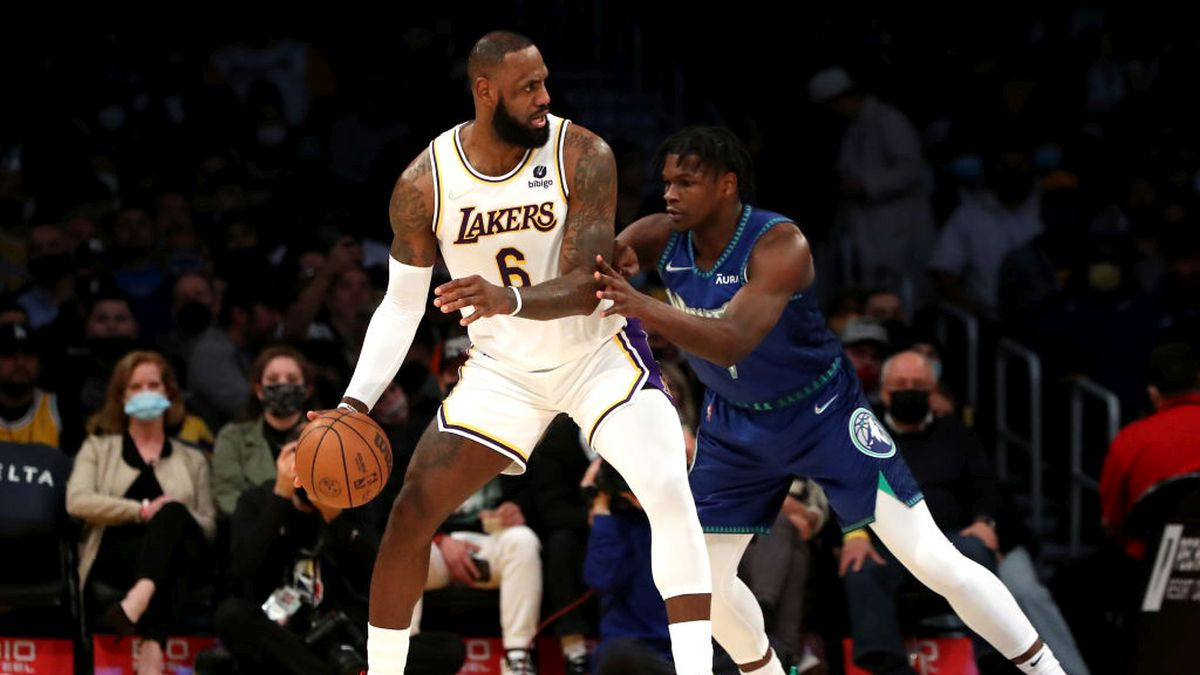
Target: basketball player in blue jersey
{"points": [[518, 202], [781, 401]]}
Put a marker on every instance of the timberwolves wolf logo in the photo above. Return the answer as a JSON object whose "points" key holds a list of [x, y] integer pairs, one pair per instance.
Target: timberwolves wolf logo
{"points": [[869, 435]]}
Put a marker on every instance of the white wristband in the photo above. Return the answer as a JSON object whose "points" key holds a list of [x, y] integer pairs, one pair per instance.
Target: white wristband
{"points": [[518, 294]]}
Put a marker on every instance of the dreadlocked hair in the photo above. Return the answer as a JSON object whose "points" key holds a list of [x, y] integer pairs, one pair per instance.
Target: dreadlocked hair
{"points": [[714, 147]]}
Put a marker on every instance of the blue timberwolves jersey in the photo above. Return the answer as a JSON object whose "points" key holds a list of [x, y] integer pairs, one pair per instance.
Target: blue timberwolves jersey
{"points": [[796, 358]]}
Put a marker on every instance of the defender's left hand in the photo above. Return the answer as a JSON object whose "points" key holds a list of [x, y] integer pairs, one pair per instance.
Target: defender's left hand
{"points": [[627, 301]]}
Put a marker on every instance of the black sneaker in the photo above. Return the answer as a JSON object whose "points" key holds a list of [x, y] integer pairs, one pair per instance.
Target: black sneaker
{"points": [[518, 662]]}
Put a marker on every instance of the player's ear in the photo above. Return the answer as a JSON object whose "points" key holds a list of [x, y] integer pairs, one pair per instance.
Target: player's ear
{"points": [[729, 184], [483, 90]]}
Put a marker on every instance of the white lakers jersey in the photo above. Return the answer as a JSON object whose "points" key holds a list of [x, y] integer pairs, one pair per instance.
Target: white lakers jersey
{"points": [[509, 230]]}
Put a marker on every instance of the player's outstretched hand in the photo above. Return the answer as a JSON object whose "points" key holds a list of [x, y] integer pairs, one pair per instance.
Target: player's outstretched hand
{"points": [[627, 300], [486, 299]]}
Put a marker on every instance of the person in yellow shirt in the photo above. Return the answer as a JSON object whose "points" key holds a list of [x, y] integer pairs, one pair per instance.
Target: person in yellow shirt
{"points": [[27, 413]]}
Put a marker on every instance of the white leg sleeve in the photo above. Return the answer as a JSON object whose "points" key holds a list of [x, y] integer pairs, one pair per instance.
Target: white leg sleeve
{"points": [[737, 620], [976, 595], [643, 441]]}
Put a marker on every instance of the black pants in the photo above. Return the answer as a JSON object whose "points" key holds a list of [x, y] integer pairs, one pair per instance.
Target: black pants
{"points": [[168, 550], [562, 580], [260, 645], [629, 655]]}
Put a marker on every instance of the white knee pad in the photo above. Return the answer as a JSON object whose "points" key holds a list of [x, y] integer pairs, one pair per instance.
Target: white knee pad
{"points": [[644, 442]]}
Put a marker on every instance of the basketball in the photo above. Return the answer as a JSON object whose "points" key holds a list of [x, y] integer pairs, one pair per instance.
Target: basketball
{"points": [[343, 459]]}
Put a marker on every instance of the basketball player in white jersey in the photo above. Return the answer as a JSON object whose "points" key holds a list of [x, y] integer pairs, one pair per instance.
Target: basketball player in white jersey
{"points": [[519, 203]]}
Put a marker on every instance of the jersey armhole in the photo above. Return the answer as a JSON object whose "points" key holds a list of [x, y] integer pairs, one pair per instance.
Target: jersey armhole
{"points": [[559, 143], [668, 250], [766, 227], [436, 225]]}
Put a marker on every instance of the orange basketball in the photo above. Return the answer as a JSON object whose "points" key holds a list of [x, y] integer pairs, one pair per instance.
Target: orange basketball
{"points": [[343, 459]]}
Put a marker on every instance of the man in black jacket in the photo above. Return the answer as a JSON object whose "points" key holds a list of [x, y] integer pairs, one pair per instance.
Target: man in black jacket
{"points": [[301, 573]]}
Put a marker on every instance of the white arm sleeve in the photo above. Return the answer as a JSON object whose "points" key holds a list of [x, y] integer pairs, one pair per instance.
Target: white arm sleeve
{"points": [[391, 331]]}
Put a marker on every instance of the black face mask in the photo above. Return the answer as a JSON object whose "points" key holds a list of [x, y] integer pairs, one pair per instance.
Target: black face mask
{"points": [[111, 349], [284, 399], [47, 270], [909, 406], [193, 318], [16, 389]]}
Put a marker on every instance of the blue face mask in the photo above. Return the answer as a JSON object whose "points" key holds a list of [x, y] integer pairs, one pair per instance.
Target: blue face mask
{"points": [[147, 405]]}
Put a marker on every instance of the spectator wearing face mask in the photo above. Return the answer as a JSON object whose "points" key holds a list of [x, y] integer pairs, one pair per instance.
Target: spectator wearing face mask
{"points": [[865, 342], [52, 283], [981, 232], [145, 500], [963, 495], [246, 452]]}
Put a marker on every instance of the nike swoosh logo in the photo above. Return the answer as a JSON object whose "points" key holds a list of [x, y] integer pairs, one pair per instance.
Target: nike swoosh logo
{"points": [[1033, 663], [672, 268], [821, 408]]}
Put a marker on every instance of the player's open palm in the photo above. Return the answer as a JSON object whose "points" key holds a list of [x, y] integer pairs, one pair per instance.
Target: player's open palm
{"points": [[627, 300], [483, 297], [855, 553]]}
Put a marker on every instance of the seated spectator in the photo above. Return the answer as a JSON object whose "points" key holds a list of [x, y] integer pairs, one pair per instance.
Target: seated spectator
{"points": [[300, 569], [52, 282], [219, 365], [109, 333], [138, 271], [1154, 449], [633, 617], [957, 479], [981, 232], [486, 544], [193, 309], [145, 501], [28, 414], [246, 451], [866, 344], [775, 569]]}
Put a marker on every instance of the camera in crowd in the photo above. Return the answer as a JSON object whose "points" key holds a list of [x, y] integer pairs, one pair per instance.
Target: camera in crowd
{"points": [[336, 639]]}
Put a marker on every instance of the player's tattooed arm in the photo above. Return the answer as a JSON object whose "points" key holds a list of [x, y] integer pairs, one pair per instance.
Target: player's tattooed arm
{"points": [[588, 232], [411, 215]]}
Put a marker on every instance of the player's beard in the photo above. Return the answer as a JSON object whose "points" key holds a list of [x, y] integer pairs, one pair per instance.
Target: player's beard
{"points": [[510, 130]]}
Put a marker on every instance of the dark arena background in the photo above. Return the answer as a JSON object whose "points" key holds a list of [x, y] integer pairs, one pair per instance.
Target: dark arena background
{"points": [[1011, 192]]}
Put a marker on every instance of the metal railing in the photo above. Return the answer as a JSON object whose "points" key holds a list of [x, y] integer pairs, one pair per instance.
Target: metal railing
{"points": [[970, 326], [1008, 350], [1082, 389]]}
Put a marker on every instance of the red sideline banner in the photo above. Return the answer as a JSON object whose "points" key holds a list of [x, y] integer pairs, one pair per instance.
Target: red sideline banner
{"points": [[113, 655], [933, 656], [36, 656], [485, 654]]}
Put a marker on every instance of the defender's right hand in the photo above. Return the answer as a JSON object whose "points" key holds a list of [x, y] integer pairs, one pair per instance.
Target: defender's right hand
{"points": [[855, 553]]}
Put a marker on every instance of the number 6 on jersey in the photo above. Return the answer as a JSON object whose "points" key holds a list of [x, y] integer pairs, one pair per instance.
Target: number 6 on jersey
{"points": [[508, 271]]}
